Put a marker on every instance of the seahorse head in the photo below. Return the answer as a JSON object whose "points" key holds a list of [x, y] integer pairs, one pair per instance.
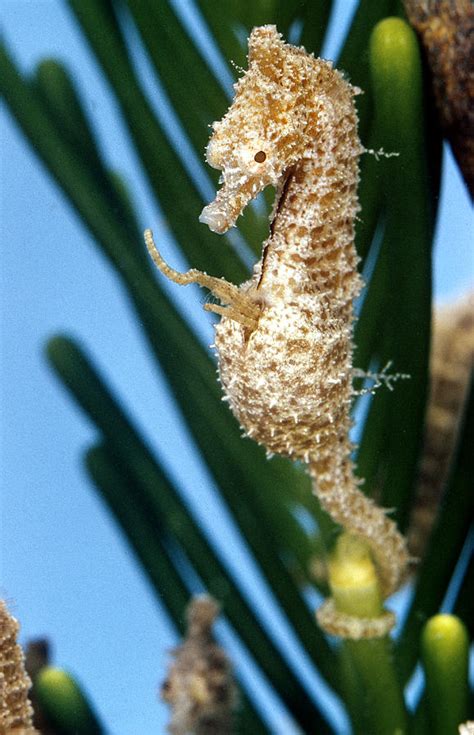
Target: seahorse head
{"points": [[266, 129]]}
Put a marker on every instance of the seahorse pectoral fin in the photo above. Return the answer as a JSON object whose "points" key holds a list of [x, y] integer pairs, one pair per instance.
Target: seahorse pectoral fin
{"points": [[238, 305], [218, 286], [233, 312], [181, 278]]}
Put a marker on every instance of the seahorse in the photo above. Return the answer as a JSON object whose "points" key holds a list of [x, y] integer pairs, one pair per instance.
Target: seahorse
{"points": [[284, 341]]}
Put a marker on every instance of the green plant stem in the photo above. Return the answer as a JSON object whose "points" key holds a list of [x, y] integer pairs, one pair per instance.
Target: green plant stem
{"points": [[464, 606], [371, 200], [371, 452], [352, 692], [158, 493], [398, 97], [354, 59], [445, 651], [355, 589], [56, 92], [315, 22], [64, 704], [147, 537], [369, 337], [382, 704], [369, 327]]}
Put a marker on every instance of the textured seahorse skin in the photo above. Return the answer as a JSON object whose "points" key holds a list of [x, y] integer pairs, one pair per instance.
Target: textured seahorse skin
{"points": [[284, 342], [289, 381]]}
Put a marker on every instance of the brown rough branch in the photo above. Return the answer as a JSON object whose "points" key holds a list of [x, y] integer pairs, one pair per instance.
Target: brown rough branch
{"points": [[452, 359], [16, 712], [446, 28]]}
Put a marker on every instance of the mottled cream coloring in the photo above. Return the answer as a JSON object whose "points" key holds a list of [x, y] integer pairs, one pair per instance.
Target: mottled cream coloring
{"points": [[284, 342]]}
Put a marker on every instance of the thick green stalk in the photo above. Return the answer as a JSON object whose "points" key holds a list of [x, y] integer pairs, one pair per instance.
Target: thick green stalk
{"points": [[382, 704], [223, 21], [64, 704], [369, 337], [354, 58], [371, 203], [352, 692], [371, 452], [394, 323], [159, 495], [445, 651], [369, 327], [148, 540], [464, 606], [60, 100], [397, 83], [316, 17], [194, 91], [355, 589]]}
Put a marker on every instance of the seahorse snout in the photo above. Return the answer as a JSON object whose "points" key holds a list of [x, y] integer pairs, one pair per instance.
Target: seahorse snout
{"points": [[231, 199], [215, 218]]}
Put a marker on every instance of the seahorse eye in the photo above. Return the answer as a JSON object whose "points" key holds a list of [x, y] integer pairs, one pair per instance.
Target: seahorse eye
{"points": [[260, 157]]}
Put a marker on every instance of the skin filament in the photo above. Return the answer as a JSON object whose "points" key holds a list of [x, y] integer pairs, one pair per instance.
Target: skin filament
{"points": [[284, 342]]}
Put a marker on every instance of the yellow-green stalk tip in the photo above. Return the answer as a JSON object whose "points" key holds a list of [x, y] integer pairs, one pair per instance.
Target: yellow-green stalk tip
{"points": [[445, 653]]}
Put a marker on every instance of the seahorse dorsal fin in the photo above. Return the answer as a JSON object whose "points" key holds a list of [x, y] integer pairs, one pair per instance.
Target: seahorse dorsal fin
{"points": [[263, 42]]}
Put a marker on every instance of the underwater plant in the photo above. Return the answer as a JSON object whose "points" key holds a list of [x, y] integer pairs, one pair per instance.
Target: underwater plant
{"points": [[293, 361]]}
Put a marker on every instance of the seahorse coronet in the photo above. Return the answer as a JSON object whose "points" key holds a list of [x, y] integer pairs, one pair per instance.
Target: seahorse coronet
{"points": [[284, 341]]}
